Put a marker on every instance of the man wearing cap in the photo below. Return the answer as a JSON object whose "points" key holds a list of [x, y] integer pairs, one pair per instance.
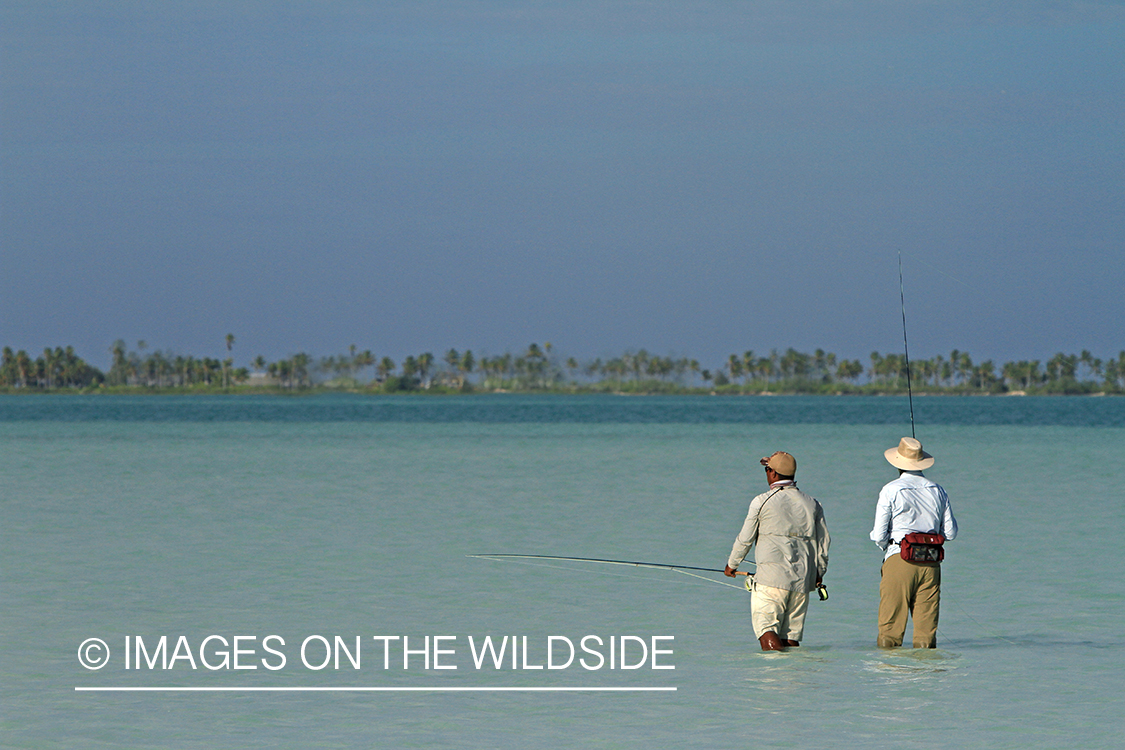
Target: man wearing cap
{"points": [[908, 505], [790, 537]]}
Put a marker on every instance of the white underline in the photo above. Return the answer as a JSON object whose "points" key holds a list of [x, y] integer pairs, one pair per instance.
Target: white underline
{"points": [[374, 689]]}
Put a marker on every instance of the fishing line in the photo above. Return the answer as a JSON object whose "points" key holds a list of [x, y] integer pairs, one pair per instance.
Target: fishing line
{"points": [[682, 569], [946, 275], [712, 580], [564, 569], [612, 575], [603, 561], [980, 292], [905, 345], [982, 627]]}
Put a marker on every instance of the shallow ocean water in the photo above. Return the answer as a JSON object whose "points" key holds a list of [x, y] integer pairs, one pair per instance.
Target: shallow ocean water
{"points": [[352, 516]]}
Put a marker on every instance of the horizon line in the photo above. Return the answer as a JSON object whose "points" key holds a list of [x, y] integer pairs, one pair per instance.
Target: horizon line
{"points": [[339, 689]]}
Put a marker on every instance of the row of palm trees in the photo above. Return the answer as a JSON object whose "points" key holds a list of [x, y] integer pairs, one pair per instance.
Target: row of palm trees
{"points": [[537, 367], [789, 370], [159, 369], [1062, 373], [790, 365], [54, 368]]}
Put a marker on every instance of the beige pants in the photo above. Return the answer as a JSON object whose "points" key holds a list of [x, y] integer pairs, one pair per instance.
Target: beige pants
{"points": [[912, 589], [778, 611]]}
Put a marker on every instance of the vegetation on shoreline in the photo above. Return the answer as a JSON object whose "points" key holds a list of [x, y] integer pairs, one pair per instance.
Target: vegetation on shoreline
{"points": [[537, 369]]}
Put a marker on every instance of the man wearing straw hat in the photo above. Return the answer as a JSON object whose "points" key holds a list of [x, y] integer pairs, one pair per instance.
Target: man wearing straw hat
{"points": [[910, 504], [790, 537]]}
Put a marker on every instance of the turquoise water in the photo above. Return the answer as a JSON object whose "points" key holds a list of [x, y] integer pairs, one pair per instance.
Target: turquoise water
{"points": [[352, 516]]}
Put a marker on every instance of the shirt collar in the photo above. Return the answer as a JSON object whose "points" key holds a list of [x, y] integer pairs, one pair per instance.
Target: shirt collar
{"points": [[783, 483]]}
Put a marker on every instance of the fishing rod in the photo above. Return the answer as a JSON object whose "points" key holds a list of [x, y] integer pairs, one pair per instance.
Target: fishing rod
{"points": [[821, 589], [634, 563], [905, 345]]}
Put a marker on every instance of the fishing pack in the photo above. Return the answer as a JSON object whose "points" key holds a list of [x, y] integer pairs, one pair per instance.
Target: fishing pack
{"points": [[922, 548]]}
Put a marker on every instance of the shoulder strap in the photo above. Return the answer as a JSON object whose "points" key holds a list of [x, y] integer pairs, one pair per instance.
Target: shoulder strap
{"points": [[779, 489]]}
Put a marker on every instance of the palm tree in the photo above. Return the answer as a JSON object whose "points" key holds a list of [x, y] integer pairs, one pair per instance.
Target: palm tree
{"points": [[385, 368], [1114, 369], [1062, 367], [764, 369], [467, 364], [301, 368], [8, 374], [365, 359], [160, 366], [849, 370], [639, 363], [117, 374], [1093, 364], [829, 367], [409, 368], [48, 366], [425, 362], [594, 368], [533, 363], [23, 366], [284, 372], [966, 366], [453, 359], [749, 362], [230, 341], [954, 366], [986, 374], [734, 367]]}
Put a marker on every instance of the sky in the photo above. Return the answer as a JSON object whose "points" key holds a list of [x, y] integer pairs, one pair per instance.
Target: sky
{"points": [[693, 178]]}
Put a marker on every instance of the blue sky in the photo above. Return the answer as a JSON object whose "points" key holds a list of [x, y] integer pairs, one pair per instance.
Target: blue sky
{"points": [[692, 178]]}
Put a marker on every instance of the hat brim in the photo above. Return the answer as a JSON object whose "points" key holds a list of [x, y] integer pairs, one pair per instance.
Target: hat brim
{"points": [[900, 461]]}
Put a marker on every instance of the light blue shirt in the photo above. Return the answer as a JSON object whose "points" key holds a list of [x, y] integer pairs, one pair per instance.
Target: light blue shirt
{"points": [[911, 504]]}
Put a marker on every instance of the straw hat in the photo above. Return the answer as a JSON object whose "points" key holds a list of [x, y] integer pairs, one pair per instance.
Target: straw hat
{"points": [[908, 455]]}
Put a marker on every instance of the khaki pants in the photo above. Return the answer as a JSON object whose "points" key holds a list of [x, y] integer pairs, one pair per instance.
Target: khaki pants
{"points": [[779, 611], [912, 589]]}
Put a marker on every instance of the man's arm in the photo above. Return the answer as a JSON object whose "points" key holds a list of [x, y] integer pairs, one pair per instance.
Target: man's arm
{"points": [[881, 531], [822, 543], [948, 522], [746, 537]]}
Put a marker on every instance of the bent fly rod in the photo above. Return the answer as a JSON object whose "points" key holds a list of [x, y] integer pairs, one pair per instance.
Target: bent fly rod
{"points": [[633, 563], [905, 345]]}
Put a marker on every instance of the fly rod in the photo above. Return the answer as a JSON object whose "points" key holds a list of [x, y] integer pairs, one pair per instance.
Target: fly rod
{"points": [[905, 345], [633, 563]]}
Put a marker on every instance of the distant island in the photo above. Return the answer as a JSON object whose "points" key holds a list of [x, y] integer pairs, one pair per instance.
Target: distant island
{"points": [[537, 369]]}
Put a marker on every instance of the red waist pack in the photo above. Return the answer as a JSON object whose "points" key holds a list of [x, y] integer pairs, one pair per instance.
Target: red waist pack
{"points": [[922, 548]]}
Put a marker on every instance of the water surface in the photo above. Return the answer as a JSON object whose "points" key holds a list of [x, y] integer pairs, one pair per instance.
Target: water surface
{"points": [[340, 515]]}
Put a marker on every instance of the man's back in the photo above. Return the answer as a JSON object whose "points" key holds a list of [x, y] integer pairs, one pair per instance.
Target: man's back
{"points": [[791, 536], [911, 504], [910, 588]]}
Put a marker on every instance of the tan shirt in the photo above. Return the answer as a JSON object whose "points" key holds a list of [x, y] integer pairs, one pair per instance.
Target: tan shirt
{"points": [[791, 538]]}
